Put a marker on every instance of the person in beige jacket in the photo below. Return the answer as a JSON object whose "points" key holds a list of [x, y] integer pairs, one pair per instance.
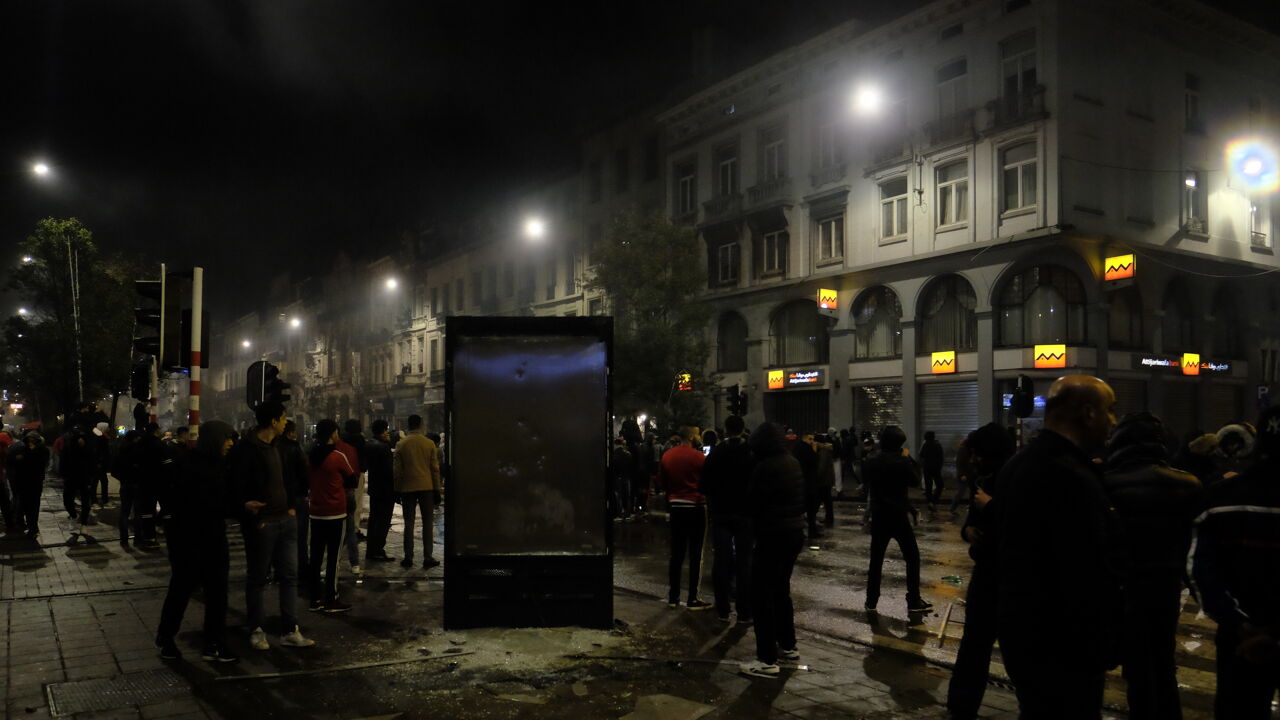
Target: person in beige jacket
{"points": [[416, 473]]}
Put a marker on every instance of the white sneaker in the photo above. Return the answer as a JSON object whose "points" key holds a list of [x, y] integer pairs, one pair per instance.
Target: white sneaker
{"points": [[759, 669], [295, 639], [789, 655], [258, 639]]}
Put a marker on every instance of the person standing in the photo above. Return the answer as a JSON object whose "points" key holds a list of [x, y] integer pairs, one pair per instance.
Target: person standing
{"points": [[1057, 538], [828, 465], [1234, 565], [126, 469], [101, 463], [8, 500], [802, 449], [293, 465], [725, 478], [416, 473], [888, 476], [329, 472], [26, 464], [76, 465], [196, 534], [931, 458], [269, 526], [155, 463], [351, 443], [1156, 505], [776, 501], [679, 475], [620, 470], [382, 495]]}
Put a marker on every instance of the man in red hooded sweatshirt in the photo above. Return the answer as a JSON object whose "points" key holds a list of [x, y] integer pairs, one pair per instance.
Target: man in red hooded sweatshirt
{"points": [[680, 474]]}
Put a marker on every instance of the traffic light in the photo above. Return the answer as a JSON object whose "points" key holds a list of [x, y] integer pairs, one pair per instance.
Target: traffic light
{"points": [[742, 404], [264, 385], [733, 400], [149, 317], [140, 380], [1023, 402], [274, 387]]}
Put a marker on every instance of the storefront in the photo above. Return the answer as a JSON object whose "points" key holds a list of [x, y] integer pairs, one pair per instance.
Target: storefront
{"points": [[797, 398], [950, 411], [875, 406]]}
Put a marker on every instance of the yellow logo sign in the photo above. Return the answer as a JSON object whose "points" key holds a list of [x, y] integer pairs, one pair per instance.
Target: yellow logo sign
{"points": [[1119, 267], [944, 362], [777, 379], [684, 381], [1051, 356], [828, 299], [1190, 363]]}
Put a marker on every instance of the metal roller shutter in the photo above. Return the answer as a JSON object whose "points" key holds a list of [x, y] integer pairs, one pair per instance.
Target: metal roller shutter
{"points": [[1180, 405], [1131, 396], [875, 406], [950, 410], [802, 410], [1224, 406]]}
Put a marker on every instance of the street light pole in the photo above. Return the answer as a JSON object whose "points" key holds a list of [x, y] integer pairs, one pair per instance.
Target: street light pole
{"points": [[73, 270]]}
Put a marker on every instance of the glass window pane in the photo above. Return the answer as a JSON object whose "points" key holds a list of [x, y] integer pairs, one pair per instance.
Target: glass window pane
{"points": [[902, 217], [1011, 189], [961, 201], [1018, 153], [946, 206], [1029, 184], [893, 188], [954, 171], [886, 219]]}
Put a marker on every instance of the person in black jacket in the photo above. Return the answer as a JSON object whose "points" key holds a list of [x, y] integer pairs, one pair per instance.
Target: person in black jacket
{"points": [[293, 466], [802, 449], [1234, 565], [196, 533], [931, 458], [888, 477], [724, 481], [382, 495], [1057, 537], [26, 464], [155, 475], [76, 464], [126, 470], [777, 503], [1157, 505]]}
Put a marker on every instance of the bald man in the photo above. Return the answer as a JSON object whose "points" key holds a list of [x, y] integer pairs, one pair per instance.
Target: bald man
{"points": [[1059, 596]]}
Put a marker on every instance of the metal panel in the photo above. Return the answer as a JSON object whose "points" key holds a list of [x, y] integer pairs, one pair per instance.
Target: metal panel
{"points": [[875, 406], [801, 410], [950, 410], [1180, 404], [1131, 396], [122, 691]]}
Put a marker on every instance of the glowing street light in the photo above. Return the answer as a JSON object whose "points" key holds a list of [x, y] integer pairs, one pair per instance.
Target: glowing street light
{"points": [[1190, 181], [391, 284], [23, 311], [245, 344], [1253, 165], [535, 229], [40, 169], [295, 323], [868, 100], [27, 259]]}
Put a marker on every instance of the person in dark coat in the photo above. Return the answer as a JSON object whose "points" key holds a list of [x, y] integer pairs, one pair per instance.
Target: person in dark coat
{"points": [[293, 466], [1234, 565], [989, 448], [155, 475], [776, 500], [26, 463], [1057, 537], [1157, 505], [931, 458], [889, 475], [621, 471], [196, 534], [802, 449], [76, 465], [126, 467], [725, 478], [382, 494]]}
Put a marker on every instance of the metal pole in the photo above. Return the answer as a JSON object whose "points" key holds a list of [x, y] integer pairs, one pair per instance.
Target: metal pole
{"points": [[155, 361], [73, 272], [197, 306]]}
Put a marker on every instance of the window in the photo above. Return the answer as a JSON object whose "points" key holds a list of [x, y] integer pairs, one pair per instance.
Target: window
{"points": [[571, 270], [893, 207], [731, 343], [953, 193], [773, 154], [1191, 104], [829, 150], [435, 302], [877, 325], [1257, 225], [1042, 305], [947, 318], [595, 181], [686, 189], [1193, 202], [621, 170], [1178, 327], [799, 334], [952, 88], [951, 31], [477, 294], [1124, 319], [596, 306], [775, 252], [509, 278], [460, 295], [1018, 182], [831, 238], [728, 259], [727, 170], [421, 354], [1018, 70], [435, 349], [551, 279]]}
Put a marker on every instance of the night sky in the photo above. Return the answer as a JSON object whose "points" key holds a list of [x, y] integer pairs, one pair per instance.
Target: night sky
{"points": [[279, 133]]}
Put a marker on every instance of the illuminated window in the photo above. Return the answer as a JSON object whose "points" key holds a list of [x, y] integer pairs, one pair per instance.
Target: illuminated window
{"points": [[893, 208], [947, 317], [1043, 305], [1018, 181], [953, 193], [831, 238], [877, 325], [1194, 210]]}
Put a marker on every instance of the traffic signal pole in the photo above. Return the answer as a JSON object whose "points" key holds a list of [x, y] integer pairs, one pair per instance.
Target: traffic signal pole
{"points": [[154, 404], [197, 308]]}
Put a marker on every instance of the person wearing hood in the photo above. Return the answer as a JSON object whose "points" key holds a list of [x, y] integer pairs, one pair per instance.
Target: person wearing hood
{"points": [[776, 503], [889, 475], [1156, 504], [196, 533], [1234, 453], [26, 463], [330, 467]]}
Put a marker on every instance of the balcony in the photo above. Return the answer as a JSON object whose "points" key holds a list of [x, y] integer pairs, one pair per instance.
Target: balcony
{"points": [[722, 208], [890, 151], [770, 192], [829, 174], [1022, 107], [954, 128]]}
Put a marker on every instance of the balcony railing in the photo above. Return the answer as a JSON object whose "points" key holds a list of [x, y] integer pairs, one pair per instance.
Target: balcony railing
{"points": [[1258, 239], [957, 127], [829, 174], [1015, 109], [769, 191], [722, 207]]}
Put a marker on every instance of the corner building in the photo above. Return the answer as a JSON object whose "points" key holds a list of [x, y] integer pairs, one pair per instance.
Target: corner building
{"points": [[959, 178]]}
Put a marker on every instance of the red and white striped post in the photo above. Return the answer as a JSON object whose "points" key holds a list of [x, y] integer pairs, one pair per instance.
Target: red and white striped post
{"points": [[197, 308]]}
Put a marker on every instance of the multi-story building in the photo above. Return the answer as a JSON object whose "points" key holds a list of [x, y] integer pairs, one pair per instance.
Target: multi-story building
{"points": [[959, 177]]}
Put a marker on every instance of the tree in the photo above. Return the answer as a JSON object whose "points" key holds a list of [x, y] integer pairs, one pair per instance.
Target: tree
{"points": [[652, 274], [42, 348]]}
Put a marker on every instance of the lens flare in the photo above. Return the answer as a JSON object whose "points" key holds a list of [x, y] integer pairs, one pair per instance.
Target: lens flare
{"points": [[1253, 166]]}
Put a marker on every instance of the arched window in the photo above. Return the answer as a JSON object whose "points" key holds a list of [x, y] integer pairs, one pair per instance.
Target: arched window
{"points": [[731, 342], [799, 334], [1124, 321], [1226, 325], [877, 325], [1178, 326], [947, 319], [1042, 305]]}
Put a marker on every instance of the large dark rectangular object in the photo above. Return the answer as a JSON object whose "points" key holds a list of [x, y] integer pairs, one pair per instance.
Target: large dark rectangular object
{"points": [[528, 541]]}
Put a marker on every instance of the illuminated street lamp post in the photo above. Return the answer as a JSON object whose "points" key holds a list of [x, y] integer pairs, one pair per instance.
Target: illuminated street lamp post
{"points": [[535, 229]]}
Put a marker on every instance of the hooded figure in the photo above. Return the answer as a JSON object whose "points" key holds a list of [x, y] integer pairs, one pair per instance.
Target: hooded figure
{"points": [[26, 464]]}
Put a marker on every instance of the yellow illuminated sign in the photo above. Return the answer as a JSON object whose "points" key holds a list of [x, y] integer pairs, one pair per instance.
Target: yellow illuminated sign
{"points": [[828, 299], [1190, 363], [684, 381], [1119, 267], [943, 362], [777, 379], [1051, 356]]}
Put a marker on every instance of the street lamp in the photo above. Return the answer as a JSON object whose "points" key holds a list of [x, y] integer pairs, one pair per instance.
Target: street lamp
{"points": [[41, 169], [27, 259], [295, 323], [23, 311], [1253, 165], [868, 100], [246, 344], [391, 283], [535, 229]]}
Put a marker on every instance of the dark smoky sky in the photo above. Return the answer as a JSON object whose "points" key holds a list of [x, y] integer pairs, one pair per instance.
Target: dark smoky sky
{"points": [[249, 136]]}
